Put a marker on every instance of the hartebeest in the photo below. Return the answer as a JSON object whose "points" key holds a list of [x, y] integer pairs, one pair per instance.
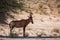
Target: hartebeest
{"points": [[20, 23]]}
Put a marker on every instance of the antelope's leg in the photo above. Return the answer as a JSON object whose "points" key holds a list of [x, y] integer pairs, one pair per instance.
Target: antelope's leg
{"points": [[24, 31], [11, 30]]}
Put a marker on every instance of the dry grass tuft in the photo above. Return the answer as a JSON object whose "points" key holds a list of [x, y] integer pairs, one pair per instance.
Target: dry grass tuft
{"points": [[41, 34], [41, 20], [54, 34], [56, 30]]}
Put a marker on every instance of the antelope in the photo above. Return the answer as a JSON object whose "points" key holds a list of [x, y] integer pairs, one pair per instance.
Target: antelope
{"points": [[21, 23]]}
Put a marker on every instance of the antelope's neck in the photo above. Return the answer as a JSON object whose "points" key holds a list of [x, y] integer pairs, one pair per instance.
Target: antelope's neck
{"points": [[28, 21]]}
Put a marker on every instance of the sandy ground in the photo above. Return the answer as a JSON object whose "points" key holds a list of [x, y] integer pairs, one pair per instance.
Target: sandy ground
{"points": [[44, 25]]}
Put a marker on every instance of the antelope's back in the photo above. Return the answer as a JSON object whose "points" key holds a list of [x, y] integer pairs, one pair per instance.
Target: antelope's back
{"points": [[18, 23]]}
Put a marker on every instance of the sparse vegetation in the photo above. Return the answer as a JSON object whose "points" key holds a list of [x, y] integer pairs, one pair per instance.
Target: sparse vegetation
{"points": [[43, 11], [57, 30], [8, 5]]}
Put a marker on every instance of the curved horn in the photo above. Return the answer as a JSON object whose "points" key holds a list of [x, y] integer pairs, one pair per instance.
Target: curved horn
{"points": [[31, 14]]}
